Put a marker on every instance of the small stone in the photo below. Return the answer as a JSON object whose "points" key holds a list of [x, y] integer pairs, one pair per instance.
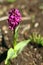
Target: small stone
{"points": [[6, 31], [4, 28], [36, 25], [35, 49]]}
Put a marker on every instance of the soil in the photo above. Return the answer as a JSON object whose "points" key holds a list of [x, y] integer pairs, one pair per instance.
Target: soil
{"points": [[32, 53]]}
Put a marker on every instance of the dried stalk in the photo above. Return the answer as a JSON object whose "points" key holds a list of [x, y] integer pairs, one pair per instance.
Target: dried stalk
{"points": [[6, 17]]}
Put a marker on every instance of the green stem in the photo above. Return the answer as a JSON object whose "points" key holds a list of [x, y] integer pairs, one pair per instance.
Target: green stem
{"points": [[14, 39]]}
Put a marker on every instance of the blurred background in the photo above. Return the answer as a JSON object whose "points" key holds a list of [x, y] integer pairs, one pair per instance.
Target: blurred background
{"points": [[33, 9]]}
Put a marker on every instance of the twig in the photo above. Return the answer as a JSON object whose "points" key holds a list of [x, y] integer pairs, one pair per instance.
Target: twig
{"points": [[6, 17], [26, 18]]}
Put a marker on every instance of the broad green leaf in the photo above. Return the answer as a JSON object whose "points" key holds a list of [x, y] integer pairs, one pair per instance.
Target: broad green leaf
{"points": [[10, 55], [19, 47], [10, 1]]}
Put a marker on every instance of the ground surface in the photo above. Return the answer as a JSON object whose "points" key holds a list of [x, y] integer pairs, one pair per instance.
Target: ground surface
{"points": [[32, 54]]}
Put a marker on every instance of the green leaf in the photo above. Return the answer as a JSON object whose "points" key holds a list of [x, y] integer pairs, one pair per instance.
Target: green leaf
{"points": [[10, 1], [42, 41], [37, 38], [19, 47], [10, 55], [17, 28], [16, 32]]}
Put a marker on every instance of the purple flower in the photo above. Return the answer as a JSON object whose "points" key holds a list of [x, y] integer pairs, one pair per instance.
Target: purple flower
{"points": [[14, 18]]}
